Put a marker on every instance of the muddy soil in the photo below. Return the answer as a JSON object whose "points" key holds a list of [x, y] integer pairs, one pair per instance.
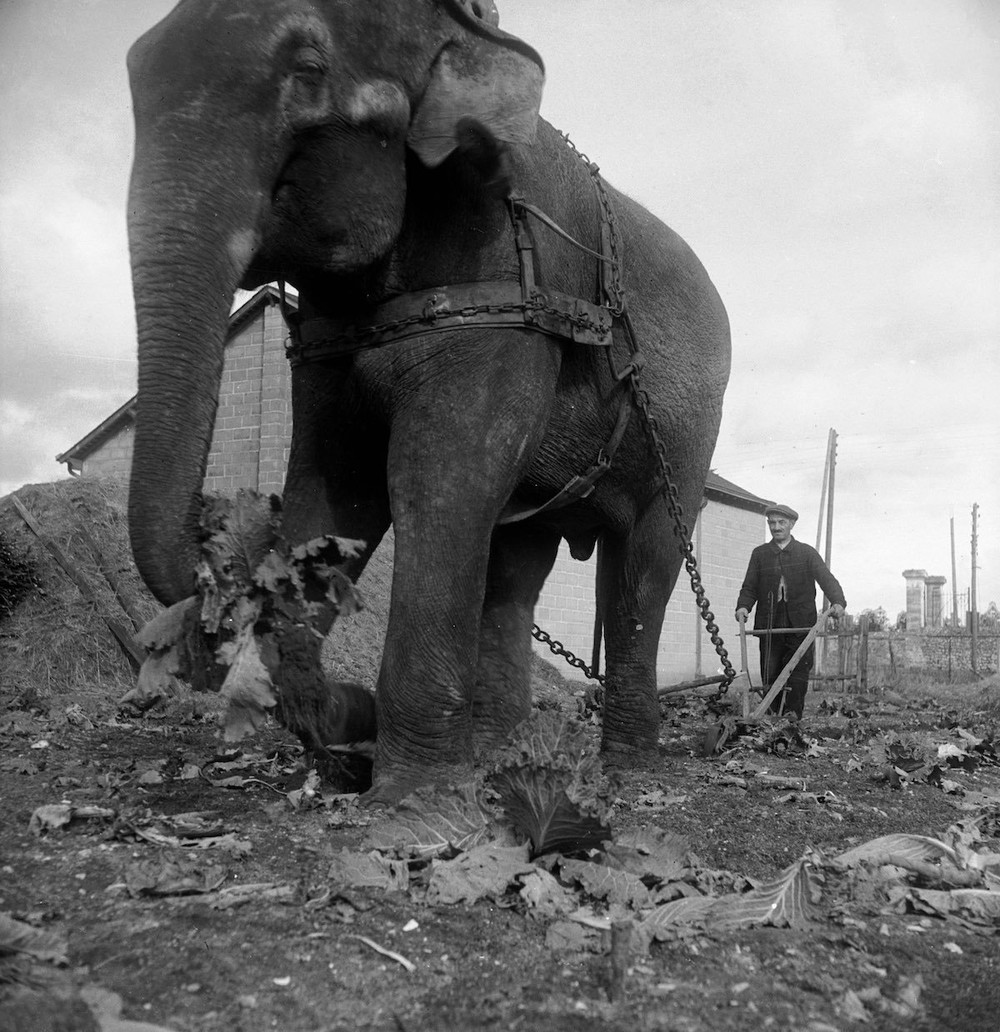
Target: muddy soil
{"points": [[296, 956]]}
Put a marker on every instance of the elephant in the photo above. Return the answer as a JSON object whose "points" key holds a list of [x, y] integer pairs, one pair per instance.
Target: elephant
{"points": [[380, 157]]}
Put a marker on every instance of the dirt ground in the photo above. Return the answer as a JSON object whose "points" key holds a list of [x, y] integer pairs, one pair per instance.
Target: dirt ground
{"points": [[290, 954], [145, 867]]}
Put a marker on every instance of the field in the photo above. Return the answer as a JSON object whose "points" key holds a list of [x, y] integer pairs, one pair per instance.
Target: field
{"points": [[843, 873]]}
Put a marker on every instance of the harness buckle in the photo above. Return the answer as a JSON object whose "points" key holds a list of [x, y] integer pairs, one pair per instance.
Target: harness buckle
{"points": [[434, 308], [634, 366]]}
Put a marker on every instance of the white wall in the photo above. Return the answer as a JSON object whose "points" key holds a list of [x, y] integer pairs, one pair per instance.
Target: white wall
{"points": [[724, 537]]}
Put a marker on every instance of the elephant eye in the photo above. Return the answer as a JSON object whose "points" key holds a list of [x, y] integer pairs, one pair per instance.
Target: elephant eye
{"points": [[310, 70], [308, 80], [307, 63]]}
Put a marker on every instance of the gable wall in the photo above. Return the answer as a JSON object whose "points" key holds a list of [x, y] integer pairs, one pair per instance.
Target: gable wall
{"points": [[252, 434], [113, 456]]}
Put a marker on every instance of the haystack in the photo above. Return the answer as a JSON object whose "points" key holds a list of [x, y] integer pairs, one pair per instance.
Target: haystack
{"points": [[58, 640]]}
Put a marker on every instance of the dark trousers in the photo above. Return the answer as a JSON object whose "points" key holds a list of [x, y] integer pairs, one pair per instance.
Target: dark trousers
{"points": [[775, 652]]}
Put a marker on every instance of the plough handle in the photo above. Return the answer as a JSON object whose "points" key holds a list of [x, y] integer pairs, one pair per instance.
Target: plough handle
{"points": [[782, 679]]}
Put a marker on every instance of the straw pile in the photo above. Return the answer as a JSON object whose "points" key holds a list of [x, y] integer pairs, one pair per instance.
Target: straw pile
{"points": [[57, 641]]}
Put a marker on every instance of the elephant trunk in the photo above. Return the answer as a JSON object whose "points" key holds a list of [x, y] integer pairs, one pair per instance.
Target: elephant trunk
{"points": [[189, 250]]}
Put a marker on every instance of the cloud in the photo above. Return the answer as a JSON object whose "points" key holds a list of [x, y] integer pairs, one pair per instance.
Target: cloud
{"points": [[65, 307], [23, 465]]}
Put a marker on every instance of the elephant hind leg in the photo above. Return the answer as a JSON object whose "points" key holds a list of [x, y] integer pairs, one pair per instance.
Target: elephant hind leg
{"points": [[521, 557], [636, 575]]}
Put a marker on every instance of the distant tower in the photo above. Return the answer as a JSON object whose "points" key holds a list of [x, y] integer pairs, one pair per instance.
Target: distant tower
{"points": [[915, 599], [932, 600]]}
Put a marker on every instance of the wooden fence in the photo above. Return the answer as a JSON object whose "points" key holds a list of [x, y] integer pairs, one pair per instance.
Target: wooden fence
{"points": [[858, 659]]}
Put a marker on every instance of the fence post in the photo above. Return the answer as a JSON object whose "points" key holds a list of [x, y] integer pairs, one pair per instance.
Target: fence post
{"points": [[861, 680], [949, 660], [843, 646]]}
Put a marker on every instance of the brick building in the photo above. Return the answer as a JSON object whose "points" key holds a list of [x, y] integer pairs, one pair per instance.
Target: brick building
{"points": [[253, 425], [250, 449]]}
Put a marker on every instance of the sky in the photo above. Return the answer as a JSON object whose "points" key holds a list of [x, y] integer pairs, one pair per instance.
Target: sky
{"points": [[834, 163]]}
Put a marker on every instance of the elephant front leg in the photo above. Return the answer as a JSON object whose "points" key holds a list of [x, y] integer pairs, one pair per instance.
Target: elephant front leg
{"points": [[335, 486], [521, 557], [463, 433], [423, 701], [636, 575]]}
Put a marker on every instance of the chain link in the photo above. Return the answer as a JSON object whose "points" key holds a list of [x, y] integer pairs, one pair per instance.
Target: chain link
{"points": [[558, 649]]}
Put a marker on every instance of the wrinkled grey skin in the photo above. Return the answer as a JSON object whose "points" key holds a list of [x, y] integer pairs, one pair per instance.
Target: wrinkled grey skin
{"points": [[359, 151]]}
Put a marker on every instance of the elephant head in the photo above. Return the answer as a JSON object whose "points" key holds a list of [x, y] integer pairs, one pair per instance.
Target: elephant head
{"points": [[271, 142]]}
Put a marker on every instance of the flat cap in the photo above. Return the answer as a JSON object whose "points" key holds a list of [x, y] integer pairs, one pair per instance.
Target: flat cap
{"points": [[781, 510]]}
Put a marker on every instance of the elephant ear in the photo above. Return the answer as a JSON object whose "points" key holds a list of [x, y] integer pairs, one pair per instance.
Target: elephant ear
{"points": [[485, 80]]}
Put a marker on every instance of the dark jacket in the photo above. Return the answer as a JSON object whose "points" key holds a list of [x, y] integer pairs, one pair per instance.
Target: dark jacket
{"points": [[802, 569]]}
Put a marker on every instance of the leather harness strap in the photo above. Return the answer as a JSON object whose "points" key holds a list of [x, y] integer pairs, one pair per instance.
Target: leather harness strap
{"points": [[453, 307], [495, 305], [579, 486], [499, 304]]}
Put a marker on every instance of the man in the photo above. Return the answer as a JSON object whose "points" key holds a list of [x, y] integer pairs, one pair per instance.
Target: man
{"points": [[781, 580]]}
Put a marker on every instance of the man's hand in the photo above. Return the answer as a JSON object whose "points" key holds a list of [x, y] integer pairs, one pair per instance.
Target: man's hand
{"points": [[836, 610], [742, 614]]}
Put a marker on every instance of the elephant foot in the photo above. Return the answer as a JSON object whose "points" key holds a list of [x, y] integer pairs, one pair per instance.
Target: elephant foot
{"points": [[385, 795], [344, 773], [325, 714], [630, 755], [488, 742], [390, 789], [493, 724], [322, 713]]}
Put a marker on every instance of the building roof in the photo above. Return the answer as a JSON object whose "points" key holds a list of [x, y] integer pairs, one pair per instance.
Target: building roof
{"points": [[725, 490], [75, 455]]}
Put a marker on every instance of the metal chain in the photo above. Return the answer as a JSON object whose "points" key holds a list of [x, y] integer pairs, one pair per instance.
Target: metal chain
{"points": [[676, 511], [558, 649], [373, 331], [651, 425]]}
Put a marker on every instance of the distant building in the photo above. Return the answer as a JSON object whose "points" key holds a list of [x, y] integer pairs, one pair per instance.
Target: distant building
{"points": [[250, 448], [924, 605]]}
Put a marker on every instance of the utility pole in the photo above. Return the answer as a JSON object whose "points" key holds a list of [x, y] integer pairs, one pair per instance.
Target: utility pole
{"points": [[822, 493], [829, 497], [954, 579], [972, 589], [829, 479]]}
